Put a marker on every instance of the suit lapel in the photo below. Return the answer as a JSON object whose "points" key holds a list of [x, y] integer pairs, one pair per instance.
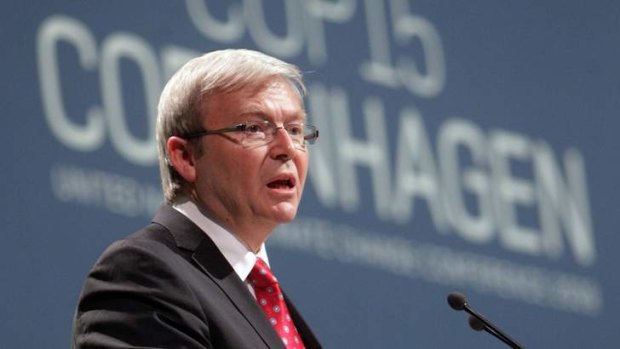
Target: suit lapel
{"points": [[209, 258], [307, 336]]}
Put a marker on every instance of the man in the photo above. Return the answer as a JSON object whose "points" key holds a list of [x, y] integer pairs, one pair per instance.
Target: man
{"points": [[233, 160]]}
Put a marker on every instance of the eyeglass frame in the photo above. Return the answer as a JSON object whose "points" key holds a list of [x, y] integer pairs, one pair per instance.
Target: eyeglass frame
{"points": [[307, 139]]}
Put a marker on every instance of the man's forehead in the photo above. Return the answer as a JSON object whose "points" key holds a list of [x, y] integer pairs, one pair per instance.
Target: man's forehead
{"points": [[258, 100]]}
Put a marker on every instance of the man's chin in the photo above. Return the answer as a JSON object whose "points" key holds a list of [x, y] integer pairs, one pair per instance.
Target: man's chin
{"points": [[284, 212]]}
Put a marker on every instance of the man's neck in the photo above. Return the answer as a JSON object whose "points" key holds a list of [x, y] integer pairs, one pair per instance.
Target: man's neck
{"points": [[252, 234]]}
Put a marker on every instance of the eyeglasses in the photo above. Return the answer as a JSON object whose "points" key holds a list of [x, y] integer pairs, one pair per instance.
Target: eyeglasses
{"points": [[263, 131]]}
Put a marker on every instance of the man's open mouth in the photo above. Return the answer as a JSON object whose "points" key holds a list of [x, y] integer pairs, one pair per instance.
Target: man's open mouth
{"points": [[281, 184]]}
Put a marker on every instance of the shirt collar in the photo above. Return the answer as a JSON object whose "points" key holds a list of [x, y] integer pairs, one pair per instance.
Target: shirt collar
{"points": [[235, 251]]}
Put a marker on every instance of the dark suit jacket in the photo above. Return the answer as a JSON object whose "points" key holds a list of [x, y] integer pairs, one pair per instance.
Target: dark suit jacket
{"points": [[168, 286]]}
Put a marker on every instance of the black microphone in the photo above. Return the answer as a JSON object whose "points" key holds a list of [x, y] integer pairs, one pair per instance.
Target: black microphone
{"points": [[477, 322]]}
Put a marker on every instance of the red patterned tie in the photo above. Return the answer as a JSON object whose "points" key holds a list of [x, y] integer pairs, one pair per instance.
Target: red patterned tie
{"points": [[271, 300]]}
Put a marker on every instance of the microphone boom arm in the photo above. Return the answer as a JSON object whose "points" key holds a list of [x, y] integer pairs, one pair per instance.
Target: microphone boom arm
{"points": [[490, 328], [477, 322]]}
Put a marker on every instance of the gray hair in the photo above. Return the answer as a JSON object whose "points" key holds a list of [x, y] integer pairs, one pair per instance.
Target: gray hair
{"points": [[183, 99]]}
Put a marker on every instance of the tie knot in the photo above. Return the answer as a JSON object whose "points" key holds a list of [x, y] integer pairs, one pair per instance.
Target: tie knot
{"points": [[261, 275]]}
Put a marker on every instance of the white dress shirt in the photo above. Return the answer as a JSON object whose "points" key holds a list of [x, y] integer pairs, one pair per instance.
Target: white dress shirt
{"points": [[238, 255]]}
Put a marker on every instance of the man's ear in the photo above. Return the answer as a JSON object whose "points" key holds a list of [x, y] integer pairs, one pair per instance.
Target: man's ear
{"points": [[181, 157]]}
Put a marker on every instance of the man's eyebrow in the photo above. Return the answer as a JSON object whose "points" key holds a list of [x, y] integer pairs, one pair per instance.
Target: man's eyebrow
{"points": [[261, 114]]}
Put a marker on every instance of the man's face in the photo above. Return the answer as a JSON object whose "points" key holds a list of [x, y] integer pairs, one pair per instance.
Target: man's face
{"points": [[260, 185]]}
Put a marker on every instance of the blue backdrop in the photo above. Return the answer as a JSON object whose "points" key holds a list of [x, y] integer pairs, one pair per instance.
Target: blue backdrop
{"points": [[464, 146]]}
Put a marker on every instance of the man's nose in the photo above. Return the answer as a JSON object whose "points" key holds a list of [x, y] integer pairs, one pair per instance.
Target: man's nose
{"points": [[282, 145]]}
